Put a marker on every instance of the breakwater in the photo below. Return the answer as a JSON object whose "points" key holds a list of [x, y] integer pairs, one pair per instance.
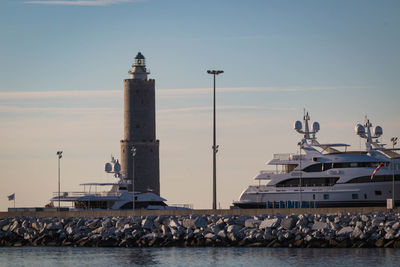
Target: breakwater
{"points": [[296, 230]]}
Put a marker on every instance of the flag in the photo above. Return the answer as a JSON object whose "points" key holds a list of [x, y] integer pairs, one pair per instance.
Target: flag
{"points": [[11, 197], [377, 169]]}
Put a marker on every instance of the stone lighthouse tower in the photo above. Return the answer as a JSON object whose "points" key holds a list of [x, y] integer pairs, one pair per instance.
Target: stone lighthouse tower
{"points": [[140, 130]]}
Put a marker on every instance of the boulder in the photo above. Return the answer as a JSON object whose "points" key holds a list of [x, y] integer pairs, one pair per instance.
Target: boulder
{"points": [[233, 229], [357, 233], [319, 226], [288, 223], [252, 223], [269, 223], [345, 231], [147, 224]]}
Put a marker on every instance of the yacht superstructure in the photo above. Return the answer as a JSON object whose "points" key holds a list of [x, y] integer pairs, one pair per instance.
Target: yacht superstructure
{"points": [[327, 175], [117, 198]]}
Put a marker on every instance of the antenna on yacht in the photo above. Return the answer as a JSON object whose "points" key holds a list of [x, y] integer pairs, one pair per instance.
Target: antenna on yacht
{"points": [[364, 131], [308, 134]]}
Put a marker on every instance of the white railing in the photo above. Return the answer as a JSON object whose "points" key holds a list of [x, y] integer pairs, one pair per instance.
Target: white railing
{"points": [[186, 206], [82, 194], [288, 156]]}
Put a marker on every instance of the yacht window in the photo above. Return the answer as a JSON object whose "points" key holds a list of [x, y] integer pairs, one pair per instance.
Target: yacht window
{"points": [[313, 168], [365, 196], [357, 164], [326, 196], [378, 192], [354, 196], [376, 179], [295, 182], [327, 166]]}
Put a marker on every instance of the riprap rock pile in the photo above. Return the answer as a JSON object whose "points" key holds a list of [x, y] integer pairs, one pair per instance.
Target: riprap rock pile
{"points": [[304, 230]]}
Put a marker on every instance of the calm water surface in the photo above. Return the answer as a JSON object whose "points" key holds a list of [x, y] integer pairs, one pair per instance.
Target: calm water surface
{"points": [[68, 256]]}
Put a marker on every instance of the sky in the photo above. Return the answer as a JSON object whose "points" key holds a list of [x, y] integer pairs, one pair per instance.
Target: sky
{"points": [[62, 66]]}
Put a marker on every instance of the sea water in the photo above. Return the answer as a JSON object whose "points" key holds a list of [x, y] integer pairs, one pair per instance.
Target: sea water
{"points": [[208, 256]]}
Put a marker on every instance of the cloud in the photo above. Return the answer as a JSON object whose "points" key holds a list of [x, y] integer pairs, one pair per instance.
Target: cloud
{"points": [[227, 107], [59, 94], [80, 2], [160, 92], [17, 109], [198, 91]]}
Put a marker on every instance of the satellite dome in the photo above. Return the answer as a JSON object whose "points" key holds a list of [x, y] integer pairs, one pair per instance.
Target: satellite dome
{"points": [[298, 125], [359, 129], [117, 167], [315, 127], [108, 167], [378, 131]]}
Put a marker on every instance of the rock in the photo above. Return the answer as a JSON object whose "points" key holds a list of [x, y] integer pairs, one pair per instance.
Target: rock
{"points": [[173, 222], [345, 231], [6, 227], [93, 224], [364, 218], [234, 229], [147, 224], [302, 222], [14, 226], [3, 222], [319, 226], [200, 222], [269, 223], [288, 223], [252, 223], [210, 236], [357, 233], [54, 226], [389, 236], [396, 226]]}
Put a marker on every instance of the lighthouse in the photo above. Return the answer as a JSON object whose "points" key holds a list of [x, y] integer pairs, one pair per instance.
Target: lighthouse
{"points": [[140, 148]]}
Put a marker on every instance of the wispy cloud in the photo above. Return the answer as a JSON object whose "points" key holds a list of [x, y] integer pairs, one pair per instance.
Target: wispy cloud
{"points": [[162, 92], [227, 107], [198, 91], [70, 110], [80, 2], [75, 110], [60, 94]]}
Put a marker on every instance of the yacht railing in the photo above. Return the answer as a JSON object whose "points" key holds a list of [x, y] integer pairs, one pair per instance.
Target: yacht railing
{"points": [[288, 156], [186, 206], [272, 171], [82, 194]]}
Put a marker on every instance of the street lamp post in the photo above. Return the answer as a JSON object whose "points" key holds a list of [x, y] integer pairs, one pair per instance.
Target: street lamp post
{"points": [[59, 155], [394, 142], [133, 150], [301, 173], [214, 147]]}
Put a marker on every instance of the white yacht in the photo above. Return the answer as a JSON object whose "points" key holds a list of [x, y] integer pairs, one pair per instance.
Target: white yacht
{"points": [[327, 175], [119, 197]]}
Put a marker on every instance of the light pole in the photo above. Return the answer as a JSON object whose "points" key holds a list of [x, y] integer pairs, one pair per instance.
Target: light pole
{"points": [[301, 173], [214, 147], [133, 150], [59, 155], [394, 142]]}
